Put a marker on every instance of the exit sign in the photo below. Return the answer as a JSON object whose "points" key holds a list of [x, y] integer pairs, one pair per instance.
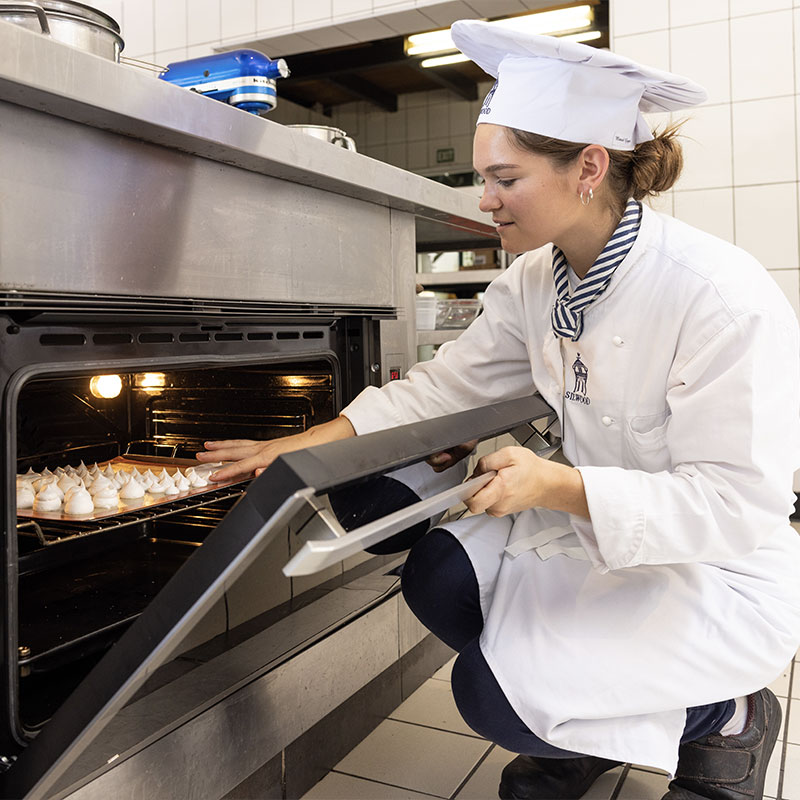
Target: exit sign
{"points": [[445, 155]]}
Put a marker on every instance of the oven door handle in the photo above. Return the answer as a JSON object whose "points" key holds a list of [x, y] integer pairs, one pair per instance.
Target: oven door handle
{"points": [[330, 543]]}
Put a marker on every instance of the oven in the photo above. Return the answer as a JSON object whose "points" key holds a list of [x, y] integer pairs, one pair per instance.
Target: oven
{"points": [[100, 611], [173, 270]]}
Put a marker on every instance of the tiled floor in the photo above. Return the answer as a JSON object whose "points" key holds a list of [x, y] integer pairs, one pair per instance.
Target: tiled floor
{"points": [[424, 749]]}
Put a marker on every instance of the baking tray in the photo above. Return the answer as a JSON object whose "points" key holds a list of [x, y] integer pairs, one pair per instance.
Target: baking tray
{"points": [[142, 463]]}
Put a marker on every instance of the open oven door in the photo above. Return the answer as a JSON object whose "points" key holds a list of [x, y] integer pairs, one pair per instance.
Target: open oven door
{"points": [[281, 493]]}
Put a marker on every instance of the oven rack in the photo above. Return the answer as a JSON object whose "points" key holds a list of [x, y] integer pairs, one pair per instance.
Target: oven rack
{"points": [[53, 532]]}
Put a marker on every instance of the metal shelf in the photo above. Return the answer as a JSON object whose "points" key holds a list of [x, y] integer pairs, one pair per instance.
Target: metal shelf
{"points": [[457, 277], [438, 336]]}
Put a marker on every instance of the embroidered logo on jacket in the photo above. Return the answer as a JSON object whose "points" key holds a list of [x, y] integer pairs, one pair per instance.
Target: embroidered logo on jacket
{"points": [[581, 375]]}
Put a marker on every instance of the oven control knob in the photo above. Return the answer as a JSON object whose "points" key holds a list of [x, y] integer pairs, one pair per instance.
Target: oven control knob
{"points": [[375, 367]]}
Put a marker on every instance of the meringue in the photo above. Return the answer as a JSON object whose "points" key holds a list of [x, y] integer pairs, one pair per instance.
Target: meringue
{"points": [[106, 498], [196, 480], [148, 479], [181, 481], [79, 502], [47, 498], [131, 490], [67, 480], [99, 483], [160, 487], [73, 489], [25, 495], [49, 480]]}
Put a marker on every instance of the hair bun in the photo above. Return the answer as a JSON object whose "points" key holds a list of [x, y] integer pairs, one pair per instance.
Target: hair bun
{"points": [[656, 165]]}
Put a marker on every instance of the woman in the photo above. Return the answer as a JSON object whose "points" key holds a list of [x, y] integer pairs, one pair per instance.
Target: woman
{"points": [[632, 607]]}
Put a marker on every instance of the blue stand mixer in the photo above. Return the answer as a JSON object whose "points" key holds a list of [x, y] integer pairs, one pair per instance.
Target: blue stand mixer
{"points": [[242, 78]]}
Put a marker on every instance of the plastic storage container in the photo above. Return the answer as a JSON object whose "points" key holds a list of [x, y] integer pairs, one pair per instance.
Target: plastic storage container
{"points": [[455, 313], [426, 313]]}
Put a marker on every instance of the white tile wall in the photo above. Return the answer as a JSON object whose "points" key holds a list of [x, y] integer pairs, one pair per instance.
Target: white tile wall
{"points": [[274, 18], [764, 141], [690, 12], [638, 16], [342, 9], [796, 18], [711, 210], [312, 11], [707, 148], [111, 7], [766, 223], [170, 25], [702, 52], [203, 21], [762, 57], [789, 281], [138, 28], [649, 48], [740, 7], [238, 18]]}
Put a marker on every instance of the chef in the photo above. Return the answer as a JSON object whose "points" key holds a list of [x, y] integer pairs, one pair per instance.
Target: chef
{"points": [[632, 607]]}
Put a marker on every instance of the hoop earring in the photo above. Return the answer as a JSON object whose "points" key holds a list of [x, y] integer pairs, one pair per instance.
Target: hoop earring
{"points": [[586, 200]]}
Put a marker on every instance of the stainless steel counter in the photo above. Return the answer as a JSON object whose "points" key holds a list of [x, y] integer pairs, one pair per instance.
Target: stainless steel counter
{"points": [[114, 183], [47, 76]]}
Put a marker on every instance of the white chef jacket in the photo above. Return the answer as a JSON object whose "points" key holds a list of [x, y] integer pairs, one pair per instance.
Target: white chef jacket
{"points": [[679, 405]]}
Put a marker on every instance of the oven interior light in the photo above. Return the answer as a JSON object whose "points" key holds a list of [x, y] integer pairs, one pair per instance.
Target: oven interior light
{"points": [[105, 386], [296, 381], [151, 380]]}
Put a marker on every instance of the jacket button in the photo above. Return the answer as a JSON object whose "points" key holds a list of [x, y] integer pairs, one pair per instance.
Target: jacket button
{"points": [[606, 421], [617, 340]]}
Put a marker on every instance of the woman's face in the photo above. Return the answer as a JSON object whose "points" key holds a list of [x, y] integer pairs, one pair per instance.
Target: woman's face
{"points": [[531, 202]]}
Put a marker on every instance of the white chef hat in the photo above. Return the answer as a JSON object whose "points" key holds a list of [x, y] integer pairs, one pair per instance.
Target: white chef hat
{"points": [[567, 90]]}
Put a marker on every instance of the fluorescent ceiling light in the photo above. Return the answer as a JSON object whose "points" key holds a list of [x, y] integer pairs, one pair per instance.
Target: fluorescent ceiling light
{"points": [[586, 36], [431, 42], [440, 61], [560, 20]]}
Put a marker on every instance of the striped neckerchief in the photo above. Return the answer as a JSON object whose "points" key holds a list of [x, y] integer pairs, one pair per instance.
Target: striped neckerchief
{"points": [[567, 314]]}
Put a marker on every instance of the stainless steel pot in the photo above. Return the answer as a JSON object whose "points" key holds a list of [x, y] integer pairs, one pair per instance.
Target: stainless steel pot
{"points": [[72, 23], [327, 133]]}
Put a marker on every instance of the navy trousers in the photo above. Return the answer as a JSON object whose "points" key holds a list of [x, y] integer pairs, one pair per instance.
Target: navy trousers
{"points": [[440, 587]]}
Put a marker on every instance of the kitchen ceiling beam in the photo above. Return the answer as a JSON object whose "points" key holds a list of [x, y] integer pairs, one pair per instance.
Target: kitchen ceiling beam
{"points": [[323, 64], [451, 79], [365, 90]]}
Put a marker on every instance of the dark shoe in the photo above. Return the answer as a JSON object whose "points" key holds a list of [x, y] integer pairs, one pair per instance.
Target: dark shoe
{"points": [[531, 778], [730, 767]]}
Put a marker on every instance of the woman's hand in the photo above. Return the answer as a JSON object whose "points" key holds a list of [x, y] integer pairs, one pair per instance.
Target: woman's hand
{"points": [[447, 458], [249, 456], [523, 481]]}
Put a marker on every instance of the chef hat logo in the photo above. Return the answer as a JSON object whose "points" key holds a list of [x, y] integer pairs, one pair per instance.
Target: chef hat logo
{"points": [[485, 109]]}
